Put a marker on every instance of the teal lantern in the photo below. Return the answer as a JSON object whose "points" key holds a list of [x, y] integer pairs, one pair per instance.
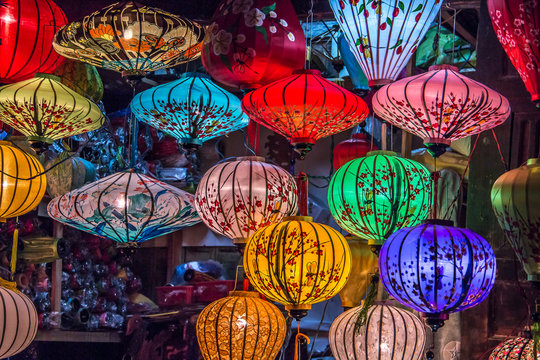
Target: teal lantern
{"points": [[192, 109], [376, 195]]}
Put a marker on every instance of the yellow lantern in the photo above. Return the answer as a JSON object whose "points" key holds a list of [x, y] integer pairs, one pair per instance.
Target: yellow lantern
{"points": [[297, 263], [22, 181], [241, 326], [364, 263]]}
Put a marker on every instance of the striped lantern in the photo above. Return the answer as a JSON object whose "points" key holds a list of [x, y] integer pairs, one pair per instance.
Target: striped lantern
{"points": [[18, 322], [236, 198], [68, 174], [516, 348], [241, 326], [389, 333], [81, 77], [356, 147]]}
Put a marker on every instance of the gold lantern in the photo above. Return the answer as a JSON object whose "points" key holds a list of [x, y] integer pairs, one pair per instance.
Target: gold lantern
{"points": [[39, 250], [240, 326]]}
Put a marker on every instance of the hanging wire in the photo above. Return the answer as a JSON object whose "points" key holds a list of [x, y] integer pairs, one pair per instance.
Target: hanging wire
{"points": [[246, 145], [310, 20], [216, 148], [318, 330], [499, 149]]}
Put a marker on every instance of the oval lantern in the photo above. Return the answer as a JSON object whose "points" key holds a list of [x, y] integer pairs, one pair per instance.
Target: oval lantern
{"points": [[376, 195], [304, 107], [236, 198], [516, 24], [356, 147], [437, 269], [515, 348], [27, 28], [68, 174], [515, 197], [440, 106], [126, 207], [81, 77], [19, 322], [245, 43], [389, 333], [241, 326], [22, 180], [297, 263], [384, 35], [140, 40], [192, 109]]}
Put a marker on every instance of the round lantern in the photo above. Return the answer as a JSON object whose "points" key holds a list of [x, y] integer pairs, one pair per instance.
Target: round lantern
{"points": [[244, 45], [441, 105], [130, 38], [383, 35], [516, 24], [126, 207], [515, 197], [45, 110], [356, 147], [236, 198], [376, 195], [304, 107], [437, 269], [22, 181], [517, 348], [81, 77], [69, 174], [389, 333], [297, 263], [19, 322], [241, 326], [192, 109], [27, 28]]}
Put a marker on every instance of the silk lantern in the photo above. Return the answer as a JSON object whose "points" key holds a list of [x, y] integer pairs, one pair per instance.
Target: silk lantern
{"points": [[514, 348], [437, 269], [356, 147], [27, 28], [297, 263], [245, 43], [241, 326], [376, 195], [22, 180], [126, 207], [440, 105], [358, 79], [68, 174], [384, 35], [130, 38], [515, 197], [304, 107], [236, 198], [81, 77], [389, 333], [517, 25], [192, 109]]}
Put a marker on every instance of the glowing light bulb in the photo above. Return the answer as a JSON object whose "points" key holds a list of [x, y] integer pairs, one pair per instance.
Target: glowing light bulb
{"points": [[128, 34]]}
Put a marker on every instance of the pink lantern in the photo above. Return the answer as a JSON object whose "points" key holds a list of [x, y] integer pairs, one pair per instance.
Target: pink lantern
{"points": [[441, 105]]}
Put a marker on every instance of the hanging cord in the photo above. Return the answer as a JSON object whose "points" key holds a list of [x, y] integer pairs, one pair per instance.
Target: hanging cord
{"points": [[430, 355], [299, 336], [132, 133], [436, 175], [310, 20], [499, 149], [216, 148], [246, 145], [368, 302], [8, 284], [318, 330]]}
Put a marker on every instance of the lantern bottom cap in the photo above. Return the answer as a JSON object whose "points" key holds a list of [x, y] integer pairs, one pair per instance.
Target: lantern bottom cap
{"points": [[534, 278], [238, 293], [128, 244], [533, 161], [298, 311], [189, 141], [240, 241], [298, 218], [380, 82], [40, 139]]}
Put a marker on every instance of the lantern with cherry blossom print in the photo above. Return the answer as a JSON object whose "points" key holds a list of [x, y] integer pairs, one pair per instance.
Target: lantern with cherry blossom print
{"points": [[384, 34], [440, 105], [517, 25], [245, 45]]}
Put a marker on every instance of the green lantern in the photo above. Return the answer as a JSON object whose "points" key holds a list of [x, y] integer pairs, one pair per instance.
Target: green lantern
{"points": [[373, 196]]}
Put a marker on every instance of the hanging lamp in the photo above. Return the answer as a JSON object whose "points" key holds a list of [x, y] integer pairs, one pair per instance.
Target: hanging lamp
{"points": [[440, 106], [304, 107], [68, 172], [356, 147], [81, 77], [514, 348]]}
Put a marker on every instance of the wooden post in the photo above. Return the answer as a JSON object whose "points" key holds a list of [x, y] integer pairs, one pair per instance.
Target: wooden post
{"points": [[174, 252], [56, 276]]}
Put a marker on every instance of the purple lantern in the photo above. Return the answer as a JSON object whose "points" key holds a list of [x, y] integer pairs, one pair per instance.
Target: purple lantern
{"points": [[437, 269]]}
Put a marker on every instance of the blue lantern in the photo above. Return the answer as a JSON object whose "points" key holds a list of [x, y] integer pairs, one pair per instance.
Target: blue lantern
{"points": [[359, 80], [192, 109], [437, 269]]}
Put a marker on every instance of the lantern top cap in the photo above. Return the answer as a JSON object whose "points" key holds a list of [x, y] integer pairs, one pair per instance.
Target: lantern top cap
{"points": [[359, 135], [381, 152], [250, 294], [438, 222], [443, 67], [194, 74], [298, 218], [250, 158], [47, 76], [533, 161], [307, 72]]}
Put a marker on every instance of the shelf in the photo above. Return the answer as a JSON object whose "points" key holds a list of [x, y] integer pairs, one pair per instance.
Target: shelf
{"points": [[79, 336]]}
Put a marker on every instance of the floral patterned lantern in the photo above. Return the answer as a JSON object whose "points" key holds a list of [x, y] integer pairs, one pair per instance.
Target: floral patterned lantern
{"points": [[517, 25], [81, 77], [376, 195], [244, 45], [383, 35], [130, 38], [517, 348], [297, 263], [68, 174], [515, 197], [441, 105], [27, 28], [241, 326], [437, 269], [236, 198], [192, 109], [356, 147], [126, 207], [389, 333], [45, 110], [304, 107]]}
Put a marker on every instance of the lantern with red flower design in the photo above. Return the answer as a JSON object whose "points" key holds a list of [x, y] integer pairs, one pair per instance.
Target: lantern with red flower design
{"points": [[244, 45], [517, 25], [304, 107], [356, 147]]}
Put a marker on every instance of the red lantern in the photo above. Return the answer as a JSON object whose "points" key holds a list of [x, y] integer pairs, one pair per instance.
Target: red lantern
{"points": [[517, 25], [253, 42], [304, 107], [27, 28], [356, 147]]}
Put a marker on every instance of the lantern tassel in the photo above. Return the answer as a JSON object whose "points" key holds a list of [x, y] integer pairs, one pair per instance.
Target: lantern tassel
{"points": [[370, 298], [536, 335], [297, 340], [14, 248]]}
